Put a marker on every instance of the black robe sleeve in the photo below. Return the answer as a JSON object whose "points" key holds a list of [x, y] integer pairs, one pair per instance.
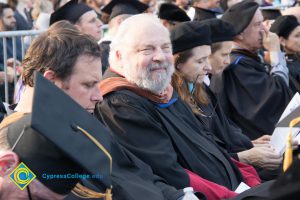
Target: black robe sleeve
{"points": [[252, 98], [225, 129], [294, 73], [134, 180]]}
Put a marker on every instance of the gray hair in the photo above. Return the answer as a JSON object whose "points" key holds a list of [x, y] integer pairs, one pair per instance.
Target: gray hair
{"points": [[130, 25]]}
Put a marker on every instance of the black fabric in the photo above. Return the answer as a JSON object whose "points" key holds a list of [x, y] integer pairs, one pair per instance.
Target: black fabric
{"points": [[220, 30], [230, 137], [287, 185], [188, 35], [202, 14], [121, 7], [172, 12], [251, 97], [240, 14], [172, 135], [71, 12], [284, 25], [270, 14], [133, 179], [104, 49], [261, 192], [293, 63]]}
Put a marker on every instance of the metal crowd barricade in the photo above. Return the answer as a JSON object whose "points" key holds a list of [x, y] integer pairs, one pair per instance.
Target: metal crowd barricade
{"points": [[14, 35]]}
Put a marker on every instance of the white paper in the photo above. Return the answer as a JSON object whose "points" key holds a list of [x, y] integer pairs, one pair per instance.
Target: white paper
{"points": [[279, 138], [242, 187], [293, 104]]}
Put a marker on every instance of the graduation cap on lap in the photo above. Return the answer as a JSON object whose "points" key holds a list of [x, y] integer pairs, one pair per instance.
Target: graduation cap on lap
{"points": [[121, 7], [71, 12], [63, 138]]}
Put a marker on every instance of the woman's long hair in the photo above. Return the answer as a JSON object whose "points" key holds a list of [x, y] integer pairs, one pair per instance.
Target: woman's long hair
{"points": [[180, 84]]}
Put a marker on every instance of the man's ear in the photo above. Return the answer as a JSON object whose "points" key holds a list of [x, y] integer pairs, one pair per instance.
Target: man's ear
{"points": [[50, 75], [119, 57], [240, 36], [8, 162]]}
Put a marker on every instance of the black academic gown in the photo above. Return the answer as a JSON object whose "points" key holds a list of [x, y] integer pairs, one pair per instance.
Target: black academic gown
{"points": [[251, 97], [133, 179], [167, 137], [227, 134], [293, 63]]}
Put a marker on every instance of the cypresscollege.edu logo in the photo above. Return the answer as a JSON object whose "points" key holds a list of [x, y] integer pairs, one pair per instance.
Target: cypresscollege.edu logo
{"points": [[22, 176], [71, 176]]}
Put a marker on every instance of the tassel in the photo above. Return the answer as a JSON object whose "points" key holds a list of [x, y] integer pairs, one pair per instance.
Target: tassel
{"points": [[84, 192], [288, 155]]}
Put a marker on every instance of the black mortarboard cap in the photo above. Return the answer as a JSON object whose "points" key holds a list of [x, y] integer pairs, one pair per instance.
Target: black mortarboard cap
{"points": [[172, 12], [284, 25], [121, 7], [270, 13], [71, 12], [202, 14], [62, 138], [188, 35], [240, 15], [220, 30]]}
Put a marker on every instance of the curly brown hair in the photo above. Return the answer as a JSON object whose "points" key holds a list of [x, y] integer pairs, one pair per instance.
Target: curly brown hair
{"points": [[58, 50]]}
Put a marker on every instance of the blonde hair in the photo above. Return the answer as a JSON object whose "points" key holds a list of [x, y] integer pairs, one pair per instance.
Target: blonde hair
{"points": [[41, 6]]}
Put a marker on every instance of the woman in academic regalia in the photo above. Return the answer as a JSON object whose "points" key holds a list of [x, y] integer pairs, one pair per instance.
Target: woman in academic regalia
{"points": [[288, 29], [193, 62]]}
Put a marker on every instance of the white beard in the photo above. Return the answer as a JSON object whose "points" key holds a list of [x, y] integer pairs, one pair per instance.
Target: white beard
{"points": [[148, 79]]}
